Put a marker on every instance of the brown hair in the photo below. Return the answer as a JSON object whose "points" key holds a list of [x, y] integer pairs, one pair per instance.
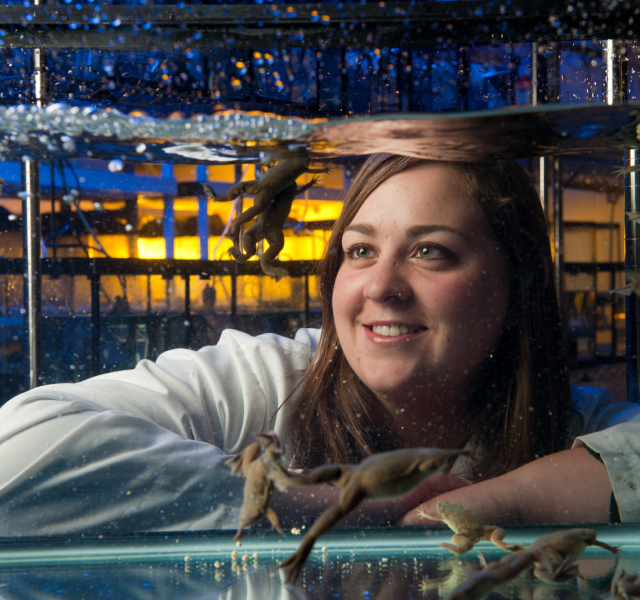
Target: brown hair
{"points": [[521, 401]]}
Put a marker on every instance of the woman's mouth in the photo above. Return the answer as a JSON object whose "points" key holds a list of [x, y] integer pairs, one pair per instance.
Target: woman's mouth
{"points": [[395, 330]]}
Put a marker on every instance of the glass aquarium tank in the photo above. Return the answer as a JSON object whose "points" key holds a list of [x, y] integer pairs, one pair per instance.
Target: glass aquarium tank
{"points": [[123, 123]]}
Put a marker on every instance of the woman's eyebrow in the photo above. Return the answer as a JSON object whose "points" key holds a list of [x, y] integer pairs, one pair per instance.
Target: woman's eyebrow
{"points": [[418, 230], [363, 228]]}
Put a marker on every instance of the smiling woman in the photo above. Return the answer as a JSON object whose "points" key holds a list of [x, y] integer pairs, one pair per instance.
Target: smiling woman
{"points": [[440, 329], [420, 299]]}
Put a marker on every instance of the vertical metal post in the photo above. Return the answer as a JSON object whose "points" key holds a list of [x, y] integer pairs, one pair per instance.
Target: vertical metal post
{"points": [[31, 235], [535, 75], [557, 226], [306, 300], [203, 215], [462, 81], [234, 293], [542, 183], [615, 72], [616, 87], [632, 204], [188, 325], [169, 218], [32, 270]]}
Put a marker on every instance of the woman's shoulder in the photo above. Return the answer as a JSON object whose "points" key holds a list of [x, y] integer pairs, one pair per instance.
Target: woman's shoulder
{"points": [[593, 409], [305, 341]]}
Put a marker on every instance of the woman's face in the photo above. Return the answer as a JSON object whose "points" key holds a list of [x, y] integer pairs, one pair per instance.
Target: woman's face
{"points": [[422, 293]]}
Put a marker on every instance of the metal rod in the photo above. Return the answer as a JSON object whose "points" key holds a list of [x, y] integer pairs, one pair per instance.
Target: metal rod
{"points": [[615, 72], [203, 215], [31, 235], [542, 183], [234, 293], [306, 301], [632, 204], [188, 325], [32, 274], [557, 226]]}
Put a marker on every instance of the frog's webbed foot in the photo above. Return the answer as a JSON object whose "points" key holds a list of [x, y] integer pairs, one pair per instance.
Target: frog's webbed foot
{"points": [[208, 190], [270, 269], [294, 563], [238, 255]]}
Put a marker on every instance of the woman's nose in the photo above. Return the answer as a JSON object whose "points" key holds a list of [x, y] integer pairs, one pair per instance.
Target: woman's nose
{"points": [[387, 281]]}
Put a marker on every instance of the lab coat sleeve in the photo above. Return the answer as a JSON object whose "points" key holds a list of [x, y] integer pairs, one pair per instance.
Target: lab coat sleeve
{"points": [[612, 430], [145, 449]]}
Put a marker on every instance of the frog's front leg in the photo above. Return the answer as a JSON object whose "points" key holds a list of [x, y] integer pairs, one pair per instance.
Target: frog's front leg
{"points": [[461, 543], [425, 515], [495, 535]]}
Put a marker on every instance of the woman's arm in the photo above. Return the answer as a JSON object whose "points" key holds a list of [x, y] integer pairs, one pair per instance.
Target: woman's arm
{"points": [[302, 505], [571, 486]]}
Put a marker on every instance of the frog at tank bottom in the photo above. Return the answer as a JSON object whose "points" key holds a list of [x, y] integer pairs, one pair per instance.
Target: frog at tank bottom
{"points": [[468, 528]]}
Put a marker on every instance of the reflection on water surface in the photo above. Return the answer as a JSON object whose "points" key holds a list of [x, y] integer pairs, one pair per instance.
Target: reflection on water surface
{"points": [[381, 564]]}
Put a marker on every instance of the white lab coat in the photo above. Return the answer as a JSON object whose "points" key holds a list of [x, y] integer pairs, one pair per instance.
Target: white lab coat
{"points": [[144, 449]]}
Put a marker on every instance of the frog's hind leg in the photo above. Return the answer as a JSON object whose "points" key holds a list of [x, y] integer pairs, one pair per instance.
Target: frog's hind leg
{"points": [[249, 243], [495, 535], [273, 519], [460, 544], [276, 243]]}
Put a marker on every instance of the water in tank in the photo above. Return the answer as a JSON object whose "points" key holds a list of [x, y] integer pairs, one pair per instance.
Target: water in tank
{"points": [[114, 115]]}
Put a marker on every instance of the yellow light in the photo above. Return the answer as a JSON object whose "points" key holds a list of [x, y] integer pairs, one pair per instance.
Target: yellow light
{"points": [[116, 246], [225, 173], [315, 210], [222, 249], [151, 248], [304, 247]]}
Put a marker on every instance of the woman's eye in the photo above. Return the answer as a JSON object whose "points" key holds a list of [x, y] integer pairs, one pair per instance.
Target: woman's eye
{"points": [[431, 252], [359, 252]]}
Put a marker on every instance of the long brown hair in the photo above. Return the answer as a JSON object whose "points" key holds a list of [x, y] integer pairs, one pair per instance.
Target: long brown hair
{"points": [[520, 405]]}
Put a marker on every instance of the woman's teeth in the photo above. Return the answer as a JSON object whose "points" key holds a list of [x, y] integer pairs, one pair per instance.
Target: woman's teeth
{"points": [[391, 330]]}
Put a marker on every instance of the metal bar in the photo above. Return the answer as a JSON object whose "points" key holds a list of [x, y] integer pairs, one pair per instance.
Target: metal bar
{"points": [[234, 293], [557, 226], [32, 275], [307, 312], [31, 236], [542, 183], [462, 83], [632, 204], [169, 218], [188, 325], [615, 72]]}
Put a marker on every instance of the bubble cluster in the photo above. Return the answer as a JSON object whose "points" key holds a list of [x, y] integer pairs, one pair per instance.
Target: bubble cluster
{"points": [[58, 128]]}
